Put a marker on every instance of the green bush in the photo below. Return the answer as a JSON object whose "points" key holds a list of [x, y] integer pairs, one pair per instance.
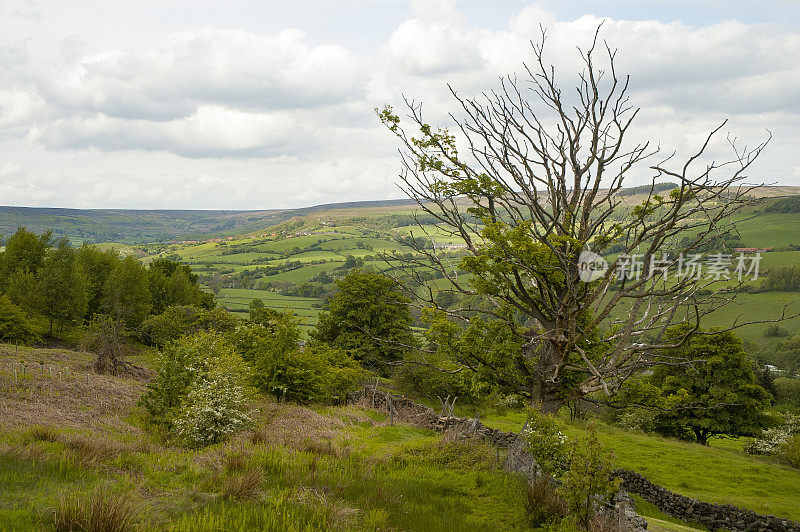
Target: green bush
{"points": [[587, 479], [546, 443], [791, 451], [773, 440], [776, 331], [281, 368], [431, 375]]}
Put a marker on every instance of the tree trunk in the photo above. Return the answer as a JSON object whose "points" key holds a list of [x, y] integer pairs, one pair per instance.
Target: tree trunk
{"points": [[546, 400], [701, 435], [548, 394]]}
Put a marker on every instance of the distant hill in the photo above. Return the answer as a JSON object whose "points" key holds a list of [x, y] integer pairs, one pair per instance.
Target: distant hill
{"points": [[138, 226]]}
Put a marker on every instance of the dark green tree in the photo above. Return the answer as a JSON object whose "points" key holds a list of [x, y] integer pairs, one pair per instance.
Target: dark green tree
{"points": [[63, 287], [369, 319], [173, 283], [714, 395], [14, 324], [787, 355], [25, 251], [270, 343], [126, 293], [177, 321], [23, 290]]}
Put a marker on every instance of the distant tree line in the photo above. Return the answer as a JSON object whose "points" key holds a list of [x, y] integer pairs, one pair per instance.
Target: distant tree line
{"points": [[785, 205], [645, 189], [49, 282]]}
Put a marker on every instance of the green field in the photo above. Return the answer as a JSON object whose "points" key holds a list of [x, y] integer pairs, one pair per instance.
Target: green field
{"points": [[311, 466], [238, 300], [770, 230]]}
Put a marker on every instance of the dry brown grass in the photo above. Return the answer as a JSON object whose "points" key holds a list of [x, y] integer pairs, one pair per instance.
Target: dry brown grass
{"points": [[236, 461], [93, 449], [43, 433], [325, 446], [30, 451], [341, 516], [302, 428], [98, 511], [37, 398]]}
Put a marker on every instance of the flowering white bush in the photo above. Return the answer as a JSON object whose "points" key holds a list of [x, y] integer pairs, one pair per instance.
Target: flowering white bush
{"points": [[214, 408], [774, 440], [546, 443]]}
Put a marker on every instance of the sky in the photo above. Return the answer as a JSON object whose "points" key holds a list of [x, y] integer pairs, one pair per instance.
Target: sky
{"points": [[243, 104]]}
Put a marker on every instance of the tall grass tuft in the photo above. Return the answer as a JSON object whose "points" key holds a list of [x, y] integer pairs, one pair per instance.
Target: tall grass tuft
{"points": [[98, 511], [244, 485], [43, 433], [542, 505]]}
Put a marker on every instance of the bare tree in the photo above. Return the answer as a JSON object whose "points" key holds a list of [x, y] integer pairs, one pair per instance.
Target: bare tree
{"points": [[538, 188]]}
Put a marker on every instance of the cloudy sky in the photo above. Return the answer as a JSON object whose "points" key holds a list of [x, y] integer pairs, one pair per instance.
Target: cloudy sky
{"points": [[245, 104]]}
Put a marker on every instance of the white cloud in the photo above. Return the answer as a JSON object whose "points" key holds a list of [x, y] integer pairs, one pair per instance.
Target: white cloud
{"points": [[230, 117], [225, 67], [211, 131]]}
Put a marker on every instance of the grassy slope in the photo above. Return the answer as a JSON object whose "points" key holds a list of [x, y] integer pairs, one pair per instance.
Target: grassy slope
{"points": [[720, 473], [341, 465], [302, 468]]}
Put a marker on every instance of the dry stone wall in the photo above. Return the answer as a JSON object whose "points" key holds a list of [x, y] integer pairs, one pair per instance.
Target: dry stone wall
{"points": [[712, 516]]}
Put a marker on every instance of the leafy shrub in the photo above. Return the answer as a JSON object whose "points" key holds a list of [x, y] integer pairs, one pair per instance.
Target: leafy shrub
{"points": [[281, 368], [637, 419], [791, 451], [776, 331], [787, 355], [788, 391], [546, 443], [191, 371], [773, 440], [417, 378], [587, 479]]}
